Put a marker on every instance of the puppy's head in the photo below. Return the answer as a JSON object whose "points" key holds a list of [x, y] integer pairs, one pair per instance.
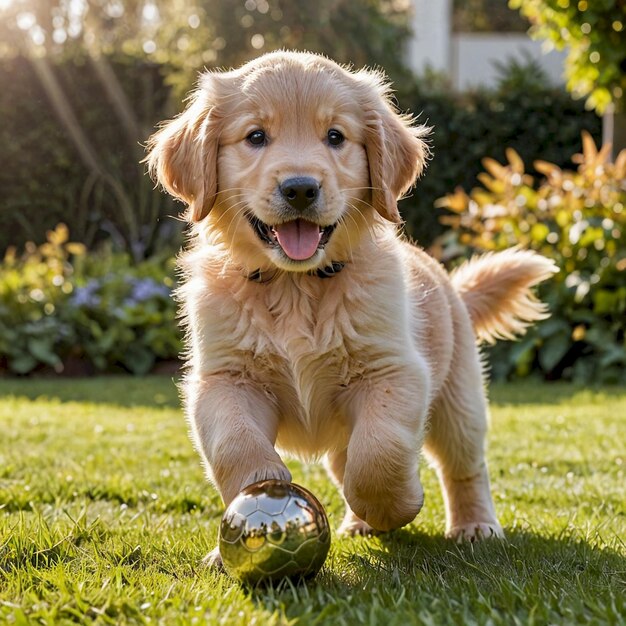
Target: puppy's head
{"points": [[289, 159]]}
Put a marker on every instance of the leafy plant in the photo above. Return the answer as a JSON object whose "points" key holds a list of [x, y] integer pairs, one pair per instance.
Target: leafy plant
{"points": [[32, 287], [578, 218], [126, 317], [593, 33], [58, 304], [523, 111]]}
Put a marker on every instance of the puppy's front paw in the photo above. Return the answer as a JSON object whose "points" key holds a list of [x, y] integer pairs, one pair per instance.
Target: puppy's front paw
{"points": [[213, 560], [268, 472], [352, 526], [476, 531], [233, 484]]}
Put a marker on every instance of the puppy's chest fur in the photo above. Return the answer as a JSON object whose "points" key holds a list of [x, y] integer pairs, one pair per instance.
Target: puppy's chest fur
{"points": [[300, 338]]}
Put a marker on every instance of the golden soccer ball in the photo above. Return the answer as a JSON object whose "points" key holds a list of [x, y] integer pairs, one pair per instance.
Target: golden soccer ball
{"points": [[272, 530]]}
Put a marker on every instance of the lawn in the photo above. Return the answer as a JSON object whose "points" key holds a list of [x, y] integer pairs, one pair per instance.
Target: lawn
{"points": [[105, 515]]}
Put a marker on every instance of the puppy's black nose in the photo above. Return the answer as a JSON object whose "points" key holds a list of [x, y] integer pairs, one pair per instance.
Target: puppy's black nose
{"points": [[301, 191]]}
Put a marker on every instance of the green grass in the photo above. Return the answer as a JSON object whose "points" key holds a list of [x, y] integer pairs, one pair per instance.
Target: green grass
{"points": [[105, 516]]}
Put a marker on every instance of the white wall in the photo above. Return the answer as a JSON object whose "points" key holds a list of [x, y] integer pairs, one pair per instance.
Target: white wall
{"points": [[468, 57], [430, 44], [472, 57]]}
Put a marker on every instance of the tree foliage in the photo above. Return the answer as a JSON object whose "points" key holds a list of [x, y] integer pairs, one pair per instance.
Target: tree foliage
{"points": [[486, 16], [182, 36], [79, 60], [593, 32]]}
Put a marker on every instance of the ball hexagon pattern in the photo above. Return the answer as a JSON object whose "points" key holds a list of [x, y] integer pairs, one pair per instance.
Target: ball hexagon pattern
{"points": [[274, 529]]}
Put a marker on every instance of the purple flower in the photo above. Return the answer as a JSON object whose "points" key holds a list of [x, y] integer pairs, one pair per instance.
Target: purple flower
{"points": [[144, 289], [86, 296]]}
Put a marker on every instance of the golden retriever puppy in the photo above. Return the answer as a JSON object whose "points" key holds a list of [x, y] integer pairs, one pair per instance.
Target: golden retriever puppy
{"points": [[313, 327]]}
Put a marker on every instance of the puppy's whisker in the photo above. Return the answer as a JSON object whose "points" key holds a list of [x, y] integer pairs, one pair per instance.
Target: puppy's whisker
{"points": [[227, 200], [367, 226], [229, 208], [230, 189], [237, 189], [229, 205], [370, 229], [370, 206], [361, 189], [235, 217], [233, 205], [356, 226], [241, 207], [364, 202], [238, 207], [227, 235], [341, 221]]}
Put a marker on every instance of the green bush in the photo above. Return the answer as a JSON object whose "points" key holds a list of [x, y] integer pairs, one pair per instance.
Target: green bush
{"points": [[44, 179], [577, 218], [523, 112], [58, 305]]}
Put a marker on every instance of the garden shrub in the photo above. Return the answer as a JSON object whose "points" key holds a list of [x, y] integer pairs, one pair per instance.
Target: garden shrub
{"points": [[523, 111], [577, 218], [45, 181], [59, 304]]}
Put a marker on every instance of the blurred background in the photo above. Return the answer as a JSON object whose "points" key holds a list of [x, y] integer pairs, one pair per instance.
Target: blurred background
{"points": [[526, 98]]}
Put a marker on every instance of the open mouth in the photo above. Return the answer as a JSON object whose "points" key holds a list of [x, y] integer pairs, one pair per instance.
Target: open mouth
{"points": [[299, 239]]}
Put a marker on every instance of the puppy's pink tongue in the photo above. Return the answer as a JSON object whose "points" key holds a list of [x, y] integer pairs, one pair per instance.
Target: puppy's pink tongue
{"points": [[299, 239]]}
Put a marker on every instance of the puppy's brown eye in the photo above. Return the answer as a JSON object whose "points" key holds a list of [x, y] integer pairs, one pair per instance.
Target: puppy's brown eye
{"points": [[257, 138], [335, 138]]}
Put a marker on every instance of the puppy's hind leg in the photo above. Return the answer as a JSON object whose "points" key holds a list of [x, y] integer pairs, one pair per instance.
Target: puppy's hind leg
{"points": [[352, 524], [387, 412], [455, 442]]}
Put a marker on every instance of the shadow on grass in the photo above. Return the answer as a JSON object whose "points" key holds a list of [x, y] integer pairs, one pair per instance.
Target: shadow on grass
{"points": [[519, 552], [424, 566], [125, 391], [524, 561]]}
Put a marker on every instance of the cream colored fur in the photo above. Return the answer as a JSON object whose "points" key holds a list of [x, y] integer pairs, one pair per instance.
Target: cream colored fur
{"points": [[364, 369]]}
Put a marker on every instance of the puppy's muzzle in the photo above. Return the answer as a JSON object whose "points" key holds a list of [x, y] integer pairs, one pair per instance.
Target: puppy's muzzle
{"points": [[300, 192]]}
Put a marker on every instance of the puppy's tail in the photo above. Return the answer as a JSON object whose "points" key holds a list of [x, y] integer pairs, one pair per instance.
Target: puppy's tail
{"points": [[496, 289]]}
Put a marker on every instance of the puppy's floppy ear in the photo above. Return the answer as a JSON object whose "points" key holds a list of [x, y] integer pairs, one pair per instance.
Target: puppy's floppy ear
{"points": [[396, 151], [182, 155]]}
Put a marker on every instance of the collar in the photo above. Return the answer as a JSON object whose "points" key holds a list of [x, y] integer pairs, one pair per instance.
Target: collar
{"points": [[322, 272]]}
